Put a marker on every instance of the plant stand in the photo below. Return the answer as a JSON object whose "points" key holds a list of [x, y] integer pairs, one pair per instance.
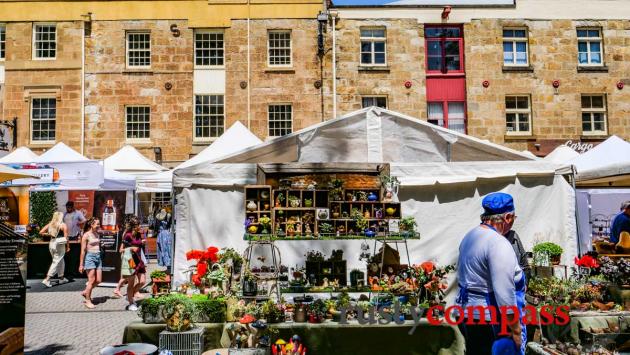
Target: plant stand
{"points": [[161, 286], [266, 240], [385, 241], [182, 343]]}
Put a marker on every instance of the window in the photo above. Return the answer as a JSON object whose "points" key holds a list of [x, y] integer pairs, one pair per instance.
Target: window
{"points": [[444, 46], [448, 114], [518, 115], [515, 47], [138, 49], [45, 41], [589, 46], [138, 122], [373, 46], [3, 32], [593, 114], [209, 116], [43, 119], [209, 48], [280, 120], [279, 45], [378, 101]]}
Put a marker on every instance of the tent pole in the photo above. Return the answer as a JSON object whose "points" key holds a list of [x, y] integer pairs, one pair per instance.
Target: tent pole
{"points": [[577, 213], [448, 152]]}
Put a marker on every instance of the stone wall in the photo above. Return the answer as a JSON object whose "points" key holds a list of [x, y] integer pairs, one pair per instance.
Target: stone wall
{"points": [[556, 114]]}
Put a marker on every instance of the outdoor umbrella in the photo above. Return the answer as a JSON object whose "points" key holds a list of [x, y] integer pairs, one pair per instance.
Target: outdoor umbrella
{"points": [[7, 173]]}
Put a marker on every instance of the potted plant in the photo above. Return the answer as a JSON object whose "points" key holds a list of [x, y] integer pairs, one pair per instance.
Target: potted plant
{"points": [[265, 222], [272, 312], [407, 227], [336, 190], [316, 311], [308, 202], [279, 199], [326, 228], [294, 201], [553, 250], [178, 311], [230, 256], [360, 221], [617, 273], [250, 285], [362, 196], [314, 256]]}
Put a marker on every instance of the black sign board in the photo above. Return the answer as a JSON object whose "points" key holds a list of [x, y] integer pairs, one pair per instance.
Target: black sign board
{"points": [[13, 248]]}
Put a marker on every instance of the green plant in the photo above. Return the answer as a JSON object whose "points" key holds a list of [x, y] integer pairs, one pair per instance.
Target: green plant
{"points": [[336, 183], [265, 222], [178, 311], [293, 198], [229, 253], [215, 309], [343, 300], [271, 312], [326, 228], [314, 255], [408, 224], [158, 275], [362, 196], [43, 204], [216, 276], [550, 248], [388, 179], [361, 222], [317, 308]]}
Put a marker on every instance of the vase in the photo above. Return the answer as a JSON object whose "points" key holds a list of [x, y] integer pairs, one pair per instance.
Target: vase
{"points": [[390, 211], [335, 215], [294, 203], [308, 203], [370, 233], [372, 197], [251, 206]]}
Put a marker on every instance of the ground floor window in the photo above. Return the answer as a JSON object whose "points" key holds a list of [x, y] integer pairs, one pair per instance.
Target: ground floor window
{"points": [[378, 101], [448, 114]]}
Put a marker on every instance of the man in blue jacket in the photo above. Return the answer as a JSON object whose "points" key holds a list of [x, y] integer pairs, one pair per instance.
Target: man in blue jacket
{"points": [[621, 222]]}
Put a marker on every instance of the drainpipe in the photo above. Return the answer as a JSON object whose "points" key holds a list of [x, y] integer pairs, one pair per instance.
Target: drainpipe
{"points": [[333, 15], [87, 17], [249, 118]]}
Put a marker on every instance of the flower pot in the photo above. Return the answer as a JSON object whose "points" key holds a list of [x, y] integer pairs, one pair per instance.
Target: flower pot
{"points": [[314, 319], [555, 259], [250, 288]]}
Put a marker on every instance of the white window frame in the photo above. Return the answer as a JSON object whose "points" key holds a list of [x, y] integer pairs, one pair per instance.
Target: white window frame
{"points": [[46, 142], [34, 40], [205, 139], [372, 40], [588, 41], [592, 110], [208, 31], [127, 50], [137, 140], [269, 117], [514, 41], [518, 112], [375, 97], [3, 42], [290, 64]]}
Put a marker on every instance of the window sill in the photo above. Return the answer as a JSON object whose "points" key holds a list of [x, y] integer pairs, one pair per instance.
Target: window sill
{"points": [[280, 70], [42, 144], [374, 69], [592, 69], [518, 69], [139, 142], [203, 142], [138, 71], [517, 137]]}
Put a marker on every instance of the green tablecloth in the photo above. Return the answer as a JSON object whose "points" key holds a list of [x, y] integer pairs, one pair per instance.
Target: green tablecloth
{"points": [[334, 338]]}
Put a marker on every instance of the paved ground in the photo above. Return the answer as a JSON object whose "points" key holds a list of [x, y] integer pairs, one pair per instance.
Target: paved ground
{"points": [[58, 323]]}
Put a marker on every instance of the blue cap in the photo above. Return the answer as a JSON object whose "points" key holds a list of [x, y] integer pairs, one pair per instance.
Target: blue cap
{"points": [[497, 203], [504, 346]]}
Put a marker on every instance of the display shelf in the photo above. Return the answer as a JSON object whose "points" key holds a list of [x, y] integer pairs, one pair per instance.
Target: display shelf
{"points": [[391, 238]]}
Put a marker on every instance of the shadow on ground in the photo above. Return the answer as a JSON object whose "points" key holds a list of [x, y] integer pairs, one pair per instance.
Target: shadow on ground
{"points": [[50, 350], [75, 285]]}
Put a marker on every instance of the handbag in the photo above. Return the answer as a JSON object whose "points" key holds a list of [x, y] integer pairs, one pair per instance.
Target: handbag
{"points": [[132, 263]]}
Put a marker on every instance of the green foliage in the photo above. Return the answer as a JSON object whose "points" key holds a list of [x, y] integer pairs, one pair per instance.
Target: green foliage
{"points": [[550, 248], [160, 275], [388, 179], [318, 308], [229, 253], [408, 224], [343, 300], [215, 309], [43, 205], [326, 228], [272, 312], [362, 223]]}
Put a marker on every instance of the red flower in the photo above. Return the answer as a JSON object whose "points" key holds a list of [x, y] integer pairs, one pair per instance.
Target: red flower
{"points": [[194, 254], [211, 254], [428, 267], [196, 280], [202, 268], [586, 261]]}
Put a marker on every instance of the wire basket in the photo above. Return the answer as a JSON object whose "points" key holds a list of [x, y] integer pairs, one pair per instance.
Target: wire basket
{"points": [[182, 343]]}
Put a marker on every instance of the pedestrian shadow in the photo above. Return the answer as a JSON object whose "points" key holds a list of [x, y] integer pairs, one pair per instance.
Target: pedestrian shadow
{"points": [[101, 299], [50, 349]]}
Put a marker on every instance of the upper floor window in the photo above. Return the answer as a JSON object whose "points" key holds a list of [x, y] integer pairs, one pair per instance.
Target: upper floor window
{"points": [[3, 32], [594, 114], [589, 46], [515, 47], [138, 49], [448, 114], [209, 50], [518, 115], [43, 119], [445, 51], [44, 41], [373, 46], [209, 116], [280, 120], [378, 101], [279, 48], [138, 122]]}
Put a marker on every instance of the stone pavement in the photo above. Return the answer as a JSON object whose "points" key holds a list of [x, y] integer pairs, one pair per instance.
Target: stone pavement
{"points": [[58, 323]]}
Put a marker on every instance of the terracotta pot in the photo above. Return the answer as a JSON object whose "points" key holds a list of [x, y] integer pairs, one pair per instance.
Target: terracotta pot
{"points": [[555, 260]]}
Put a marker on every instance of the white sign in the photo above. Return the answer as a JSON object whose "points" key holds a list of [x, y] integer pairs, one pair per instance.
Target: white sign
{"points": [[45, 177], [20, 228], [578, 146]]}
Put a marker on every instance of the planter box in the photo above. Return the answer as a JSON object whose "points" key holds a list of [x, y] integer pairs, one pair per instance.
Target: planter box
{"points": [[157, 319]]}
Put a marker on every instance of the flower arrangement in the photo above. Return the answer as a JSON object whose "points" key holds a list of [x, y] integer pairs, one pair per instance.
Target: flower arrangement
{"points": [[266, 224], [586, 261], [204, 259], [431, 280], [615, 271]]}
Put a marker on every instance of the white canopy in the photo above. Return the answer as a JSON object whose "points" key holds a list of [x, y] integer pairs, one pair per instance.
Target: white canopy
{"points": [[607, 163], [20, 155], [130, 161], [76, 172], [117, 181], [444, 197], [561, 154]]}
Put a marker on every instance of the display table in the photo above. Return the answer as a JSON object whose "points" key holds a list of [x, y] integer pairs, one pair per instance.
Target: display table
{"points": [[39, 260], [333, 338]]}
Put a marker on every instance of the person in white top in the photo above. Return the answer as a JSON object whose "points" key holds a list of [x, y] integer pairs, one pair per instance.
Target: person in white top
{"points": [[489, 276], [74, 220]]}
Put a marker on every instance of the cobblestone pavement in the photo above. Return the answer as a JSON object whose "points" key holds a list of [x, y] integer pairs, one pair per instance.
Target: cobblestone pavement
{"points": [[57, 322]]}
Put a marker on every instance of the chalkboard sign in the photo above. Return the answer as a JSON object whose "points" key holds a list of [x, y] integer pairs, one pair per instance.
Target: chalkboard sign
{"points": [[13, 248]]}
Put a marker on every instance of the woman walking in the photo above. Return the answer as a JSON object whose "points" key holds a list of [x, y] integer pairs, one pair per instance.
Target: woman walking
{"points": [[91, 259], [133, 259], [58, 247]]}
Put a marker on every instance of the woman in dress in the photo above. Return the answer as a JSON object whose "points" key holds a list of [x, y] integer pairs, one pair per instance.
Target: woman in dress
{"points": [[58, 247], [133, 243], [91, 259]]}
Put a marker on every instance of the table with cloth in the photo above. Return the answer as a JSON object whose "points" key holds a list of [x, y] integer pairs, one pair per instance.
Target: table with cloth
{"points": [[334, 338]]}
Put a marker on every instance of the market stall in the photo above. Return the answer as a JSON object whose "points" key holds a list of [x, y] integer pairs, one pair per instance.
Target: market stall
{"points": [[14, 198]]}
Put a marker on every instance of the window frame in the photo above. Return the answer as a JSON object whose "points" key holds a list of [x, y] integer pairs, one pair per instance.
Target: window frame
{"points": [[290, 64], [442, 40], [137, 140], [208, 31], [205, 139], [592, 110], [372, 40], [34, 40], [374, 97], [42, 142], [445, 113], [127, 57], [269, 118], [515, 40], [588, 41], [3, 42], [518, 112]]}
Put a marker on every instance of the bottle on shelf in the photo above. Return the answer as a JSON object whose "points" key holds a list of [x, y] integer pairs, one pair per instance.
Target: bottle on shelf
{"points": [[109, 216]]}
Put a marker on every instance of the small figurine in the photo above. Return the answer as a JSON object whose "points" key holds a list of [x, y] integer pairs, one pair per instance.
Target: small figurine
{"points": [[307, 230]]}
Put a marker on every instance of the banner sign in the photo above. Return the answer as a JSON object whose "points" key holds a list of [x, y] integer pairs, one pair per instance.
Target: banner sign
{"points": [[83, 201], [13, 248], [46, 176]]}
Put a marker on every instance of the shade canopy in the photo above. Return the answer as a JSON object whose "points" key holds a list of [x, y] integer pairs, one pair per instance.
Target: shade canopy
{"points": [[76, 172], [606, 164], [130, 161], [20, 155], [8, 174], [60, 153], [561, 155]]}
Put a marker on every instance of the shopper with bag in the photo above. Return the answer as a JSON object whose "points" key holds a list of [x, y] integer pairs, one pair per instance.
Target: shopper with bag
{"points": [[135, 262], [58, 247], [91, 260]]}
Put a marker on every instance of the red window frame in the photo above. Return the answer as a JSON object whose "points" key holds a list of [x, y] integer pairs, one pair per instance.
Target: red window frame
{"points": [[442, 40], [445, 112]]}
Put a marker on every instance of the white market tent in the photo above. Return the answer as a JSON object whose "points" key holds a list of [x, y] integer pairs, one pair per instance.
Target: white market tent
{"points": [[129, 160], [20, 155], [607, 164], [76, 172], [561, 155], [444, 175]]}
